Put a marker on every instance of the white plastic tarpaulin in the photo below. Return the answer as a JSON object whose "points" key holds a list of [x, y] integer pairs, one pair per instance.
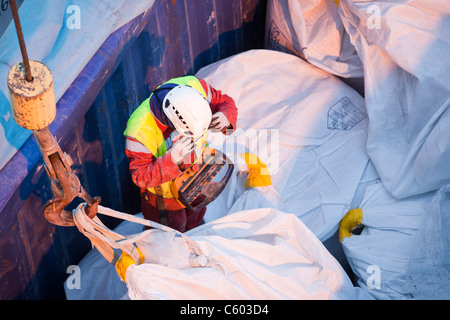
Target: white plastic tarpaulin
{"points": [[403, 251], [307, 126], [381, 255], [256, 254], [405, 50], [313, 30], [54, 32], [428, 275]]}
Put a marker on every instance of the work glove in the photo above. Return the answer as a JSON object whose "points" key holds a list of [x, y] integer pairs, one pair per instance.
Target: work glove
{"points": [[181, 148], [219, 122]]}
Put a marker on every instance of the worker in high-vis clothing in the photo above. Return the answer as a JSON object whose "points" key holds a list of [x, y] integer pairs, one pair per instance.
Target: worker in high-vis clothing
{"points": [[163, 138]]}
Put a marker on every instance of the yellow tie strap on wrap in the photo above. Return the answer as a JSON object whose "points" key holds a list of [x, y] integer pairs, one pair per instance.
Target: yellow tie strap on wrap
{"points": [[125, 261], [258, 174], [352, 220]]}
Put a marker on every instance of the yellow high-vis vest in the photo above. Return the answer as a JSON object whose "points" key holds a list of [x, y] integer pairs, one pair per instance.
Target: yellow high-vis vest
{"points": [[142, 126]]}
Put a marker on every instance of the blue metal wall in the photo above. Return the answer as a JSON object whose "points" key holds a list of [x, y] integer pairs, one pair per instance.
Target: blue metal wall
{"points": [[174, 38]]}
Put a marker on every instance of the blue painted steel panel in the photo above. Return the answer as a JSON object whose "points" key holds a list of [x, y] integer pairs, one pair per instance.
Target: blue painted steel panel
{"points": [[173, 38]]}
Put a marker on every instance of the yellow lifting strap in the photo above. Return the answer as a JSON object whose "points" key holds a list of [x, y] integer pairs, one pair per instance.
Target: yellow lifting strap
{"points": [[258, 174], [125, 261], [351, 221]]}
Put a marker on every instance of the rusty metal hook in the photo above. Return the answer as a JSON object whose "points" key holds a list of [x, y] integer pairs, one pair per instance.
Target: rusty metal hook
{"points": [[56, 214], [65, 184]]}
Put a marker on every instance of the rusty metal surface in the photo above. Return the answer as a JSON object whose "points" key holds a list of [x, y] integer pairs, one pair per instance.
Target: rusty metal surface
{"points": [[65, 184]]}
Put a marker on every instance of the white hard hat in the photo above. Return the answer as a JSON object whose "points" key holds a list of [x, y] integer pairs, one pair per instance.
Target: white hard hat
{"points": [[188, 110]]}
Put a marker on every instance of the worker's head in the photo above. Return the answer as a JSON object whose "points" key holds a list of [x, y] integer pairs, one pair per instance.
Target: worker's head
{"points": [[188, 111]]}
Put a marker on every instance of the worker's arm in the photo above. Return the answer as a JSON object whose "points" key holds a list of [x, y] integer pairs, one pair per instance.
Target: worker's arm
{"points": [[146, 170], [221, 102]]}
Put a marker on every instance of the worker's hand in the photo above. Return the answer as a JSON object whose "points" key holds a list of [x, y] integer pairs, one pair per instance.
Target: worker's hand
{"points": [[181, 148], [219, 122]]}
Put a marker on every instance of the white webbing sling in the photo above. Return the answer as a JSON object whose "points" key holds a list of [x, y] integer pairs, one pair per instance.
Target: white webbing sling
{"points": [[106, 240]]}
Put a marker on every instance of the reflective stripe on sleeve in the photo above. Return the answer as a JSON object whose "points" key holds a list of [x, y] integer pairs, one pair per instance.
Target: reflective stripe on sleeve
{"points": [[135, 146]]}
